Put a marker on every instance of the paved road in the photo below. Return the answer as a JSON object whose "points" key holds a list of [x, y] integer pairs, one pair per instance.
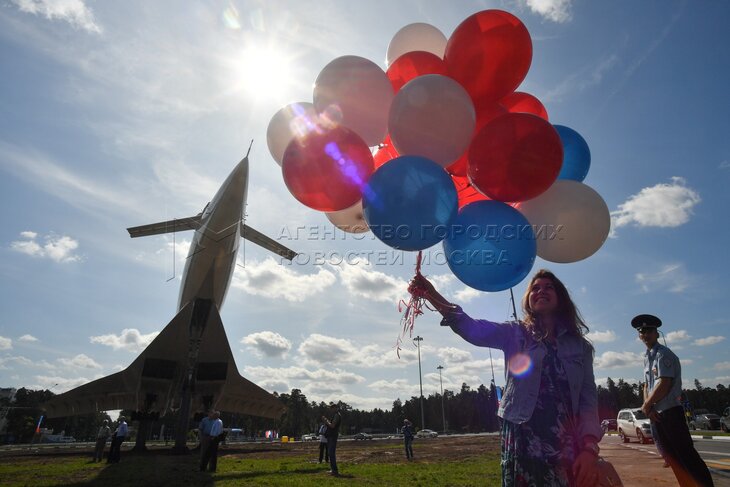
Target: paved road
{"points": [[715, 453]]}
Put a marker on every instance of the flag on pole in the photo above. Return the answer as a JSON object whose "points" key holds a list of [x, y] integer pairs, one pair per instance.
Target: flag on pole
{"points": [[38, 426]]}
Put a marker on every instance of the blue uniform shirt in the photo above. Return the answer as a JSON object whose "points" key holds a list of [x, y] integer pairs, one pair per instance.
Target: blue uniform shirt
{"points": [[660, 362]]}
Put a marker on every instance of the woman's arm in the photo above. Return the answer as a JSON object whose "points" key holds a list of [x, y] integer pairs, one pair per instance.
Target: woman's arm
{"points": [[482, 333]]}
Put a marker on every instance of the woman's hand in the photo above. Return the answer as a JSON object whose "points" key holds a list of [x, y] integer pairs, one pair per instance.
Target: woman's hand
{"points": [[585, 469], [420, 286]]}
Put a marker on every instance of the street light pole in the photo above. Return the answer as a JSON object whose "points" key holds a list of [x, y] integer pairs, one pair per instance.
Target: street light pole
{"points": [[443, 411], [418, 341]]}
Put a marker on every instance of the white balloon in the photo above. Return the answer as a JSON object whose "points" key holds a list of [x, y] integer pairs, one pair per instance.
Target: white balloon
{"points": [[570, 219], [350, 220], [416, 37], [432, 116], [292, 121], [355, 92]]}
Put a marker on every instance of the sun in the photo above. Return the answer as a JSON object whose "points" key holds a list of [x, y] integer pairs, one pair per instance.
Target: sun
{"points": [[264, 71]]}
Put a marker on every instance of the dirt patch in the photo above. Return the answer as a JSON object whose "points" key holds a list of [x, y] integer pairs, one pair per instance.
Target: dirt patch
{"points": [[379, 451]]}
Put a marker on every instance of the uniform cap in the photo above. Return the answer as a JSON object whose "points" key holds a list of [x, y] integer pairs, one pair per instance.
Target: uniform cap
{"points": [[646, 321]]}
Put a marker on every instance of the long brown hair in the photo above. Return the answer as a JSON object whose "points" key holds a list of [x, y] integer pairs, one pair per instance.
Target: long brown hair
{"points": [[567, 312]]}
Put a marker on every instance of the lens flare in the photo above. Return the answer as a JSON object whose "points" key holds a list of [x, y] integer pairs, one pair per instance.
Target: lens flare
{"points": [[520, 364], [231, 17]]}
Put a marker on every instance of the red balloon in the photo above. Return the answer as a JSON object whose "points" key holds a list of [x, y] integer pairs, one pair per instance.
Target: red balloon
{"points": [[486, 112], [327, 169], [519, 102], [515, 157], [466, 192], [386, 151], [413, 64], [489, 53]]}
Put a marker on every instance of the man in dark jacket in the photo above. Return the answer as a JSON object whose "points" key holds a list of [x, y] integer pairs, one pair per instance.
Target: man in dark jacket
{"points": [[333, 431]]}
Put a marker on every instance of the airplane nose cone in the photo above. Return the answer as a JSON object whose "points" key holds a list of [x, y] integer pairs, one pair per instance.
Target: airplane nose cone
{"points": [[240, 172]]}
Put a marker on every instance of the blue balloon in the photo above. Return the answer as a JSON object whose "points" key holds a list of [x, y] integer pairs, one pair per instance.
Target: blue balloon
{"points": [[576, 154], [410, 202], [491, 246]]}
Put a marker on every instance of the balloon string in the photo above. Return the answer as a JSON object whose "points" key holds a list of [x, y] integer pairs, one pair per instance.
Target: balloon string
{"points": [[411, 310]]}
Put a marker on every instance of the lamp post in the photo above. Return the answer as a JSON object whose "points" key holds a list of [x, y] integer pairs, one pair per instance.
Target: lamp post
{"points": [[443, 411], [418, 341]]}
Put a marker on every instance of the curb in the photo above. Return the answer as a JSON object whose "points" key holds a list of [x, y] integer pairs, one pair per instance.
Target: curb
{"points": [[705, 437]]}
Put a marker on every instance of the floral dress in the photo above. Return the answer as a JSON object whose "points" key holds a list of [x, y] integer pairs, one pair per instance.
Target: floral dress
{"points": [[541, 451]]}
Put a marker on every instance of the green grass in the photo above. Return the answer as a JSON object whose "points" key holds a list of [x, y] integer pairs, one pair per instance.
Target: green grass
{"points": [[376, 463]]}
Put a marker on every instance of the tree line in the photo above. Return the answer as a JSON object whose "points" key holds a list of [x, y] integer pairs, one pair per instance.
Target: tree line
{"points": [[466, 411]]}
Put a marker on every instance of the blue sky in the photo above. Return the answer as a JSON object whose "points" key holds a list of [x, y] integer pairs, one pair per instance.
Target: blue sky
{"points": [[116, 115]]}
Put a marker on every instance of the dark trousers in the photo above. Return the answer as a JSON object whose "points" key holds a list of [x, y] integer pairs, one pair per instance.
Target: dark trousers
{"points": [[323, 452], [99, 449], [209, 455], [409, 447], [673, 435], [657, 441], [115, 449], [331, 451]]}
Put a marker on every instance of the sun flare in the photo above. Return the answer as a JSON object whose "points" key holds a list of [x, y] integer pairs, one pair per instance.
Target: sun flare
{"points": [[264, 71]]}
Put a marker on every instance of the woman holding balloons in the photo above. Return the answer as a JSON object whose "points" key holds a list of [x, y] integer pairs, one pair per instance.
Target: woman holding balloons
{"points": [[550, 431]]}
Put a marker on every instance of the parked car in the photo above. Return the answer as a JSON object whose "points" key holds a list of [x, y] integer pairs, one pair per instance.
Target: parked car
{"points": [[609, 425], [426, 433], [362, 436], [705, 422], [310, 437], [725, 420], [633, 423]]}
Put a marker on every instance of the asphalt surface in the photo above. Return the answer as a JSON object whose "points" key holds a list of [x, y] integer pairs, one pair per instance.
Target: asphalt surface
{"points": [[639, 464]]}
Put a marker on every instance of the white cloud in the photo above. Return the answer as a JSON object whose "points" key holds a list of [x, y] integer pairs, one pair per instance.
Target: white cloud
{"points": [[27, 338], [5, 343], [613, 360], [267, 343], [80, 361], [300, 377], [451, 355], [75, 12], [322, 350], [722, 366], [129, 339], [596, 336], [711, 340], [724, 165], [673, 278], [678, 337], [555, 10], [662, 205], [270, 279], [393, 386], [58, 384], [59, 249], [360, 280], [467, 294]]}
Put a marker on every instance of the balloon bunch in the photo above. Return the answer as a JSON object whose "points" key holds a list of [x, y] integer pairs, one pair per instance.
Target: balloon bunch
{"points": [[440, 147]]}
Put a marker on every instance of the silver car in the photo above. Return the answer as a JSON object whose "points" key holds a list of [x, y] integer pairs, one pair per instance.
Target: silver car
{"points": [[633, 423]]}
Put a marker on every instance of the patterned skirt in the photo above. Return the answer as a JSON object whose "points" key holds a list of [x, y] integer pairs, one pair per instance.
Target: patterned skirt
{"points": [[541, 451]]}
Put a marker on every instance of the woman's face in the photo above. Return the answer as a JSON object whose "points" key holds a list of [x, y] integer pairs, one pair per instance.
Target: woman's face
{"points": [[543, 299]]}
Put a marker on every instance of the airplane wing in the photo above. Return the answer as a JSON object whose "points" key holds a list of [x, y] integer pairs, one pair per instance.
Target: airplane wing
{"points": [[268, 243], [176, 225], [153, 381]]}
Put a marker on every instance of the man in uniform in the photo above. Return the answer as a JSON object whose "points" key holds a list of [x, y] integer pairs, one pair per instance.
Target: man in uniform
{"points": [[662, 391]]}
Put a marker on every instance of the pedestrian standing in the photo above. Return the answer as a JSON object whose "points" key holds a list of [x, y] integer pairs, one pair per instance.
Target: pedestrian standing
{"points": [[408, 438], [204, 436], [662, 404], [323, 443], [120, 434], [101, 437], [333, 431]]}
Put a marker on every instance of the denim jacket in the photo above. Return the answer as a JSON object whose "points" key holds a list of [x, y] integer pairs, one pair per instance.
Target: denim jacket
{"points": [[520, 394]]}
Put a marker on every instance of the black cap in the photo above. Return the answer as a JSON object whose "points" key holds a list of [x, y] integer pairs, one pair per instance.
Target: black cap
{"points": [[646, 321]]}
